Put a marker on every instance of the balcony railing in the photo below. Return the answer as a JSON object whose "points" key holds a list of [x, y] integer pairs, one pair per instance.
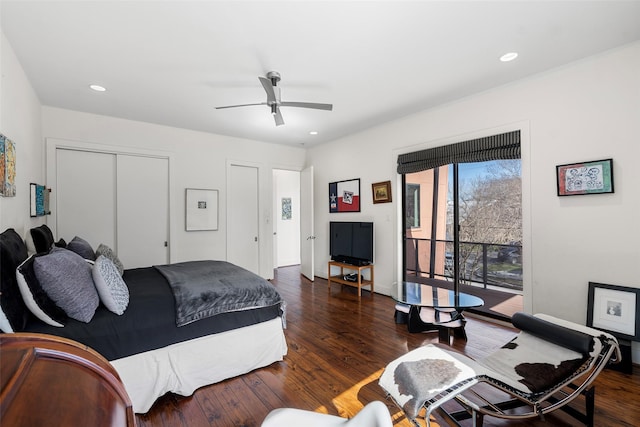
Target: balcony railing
{"points": [[481, 264]]}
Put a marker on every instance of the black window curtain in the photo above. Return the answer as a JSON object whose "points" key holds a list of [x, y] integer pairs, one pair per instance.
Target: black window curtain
{"points": [[495, 147]]}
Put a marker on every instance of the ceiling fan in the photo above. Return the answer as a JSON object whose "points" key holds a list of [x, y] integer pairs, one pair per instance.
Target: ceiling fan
{"points": [[270, 85]]}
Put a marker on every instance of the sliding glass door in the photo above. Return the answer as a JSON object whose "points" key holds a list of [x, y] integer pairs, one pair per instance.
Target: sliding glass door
{"points": [[463, 229]]}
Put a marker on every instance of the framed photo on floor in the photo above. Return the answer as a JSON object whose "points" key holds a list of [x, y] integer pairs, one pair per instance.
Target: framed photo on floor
{"points": [[614, 309]]}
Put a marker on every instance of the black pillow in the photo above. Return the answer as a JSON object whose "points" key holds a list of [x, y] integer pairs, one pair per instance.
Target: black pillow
{"points": [[13, 252], [42, 238]]}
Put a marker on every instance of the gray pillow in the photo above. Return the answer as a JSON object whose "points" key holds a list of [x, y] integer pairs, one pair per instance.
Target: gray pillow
{"points": [[113, 291], [107, 252], [66, 278], [82, 248]]}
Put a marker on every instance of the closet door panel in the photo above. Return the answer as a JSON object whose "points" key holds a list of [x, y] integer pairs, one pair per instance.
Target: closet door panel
{"points": [[242, 219], [143, 210], [86, 196]]}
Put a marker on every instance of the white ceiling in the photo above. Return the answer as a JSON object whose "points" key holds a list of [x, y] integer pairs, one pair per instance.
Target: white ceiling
{"points": [[173, 62]]}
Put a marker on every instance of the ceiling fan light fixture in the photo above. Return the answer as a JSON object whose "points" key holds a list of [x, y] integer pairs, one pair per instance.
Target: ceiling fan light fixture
{"points": [[509, 56]]}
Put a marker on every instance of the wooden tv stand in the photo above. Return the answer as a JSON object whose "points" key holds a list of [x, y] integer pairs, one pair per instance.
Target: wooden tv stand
{"points": [[353, 268]]}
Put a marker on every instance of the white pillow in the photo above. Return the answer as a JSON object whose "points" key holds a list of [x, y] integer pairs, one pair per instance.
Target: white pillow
{"points": [[110, 254], [113, 291], [5, 326]]}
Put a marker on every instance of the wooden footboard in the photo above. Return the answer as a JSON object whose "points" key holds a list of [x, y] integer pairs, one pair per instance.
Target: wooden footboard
{"points": [[48, 380]]}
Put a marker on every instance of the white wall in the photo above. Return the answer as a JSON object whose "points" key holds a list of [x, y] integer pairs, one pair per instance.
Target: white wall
{"points": [[20, 121], [588, 110], [287, 184], [198, 160]]}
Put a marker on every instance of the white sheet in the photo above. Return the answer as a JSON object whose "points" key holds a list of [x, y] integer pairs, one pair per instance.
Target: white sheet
{"points": [[182, 368]]}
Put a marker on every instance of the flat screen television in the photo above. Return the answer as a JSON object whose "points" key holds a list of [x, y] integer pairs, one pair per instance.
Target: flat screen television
{"points": [[351, 242]]}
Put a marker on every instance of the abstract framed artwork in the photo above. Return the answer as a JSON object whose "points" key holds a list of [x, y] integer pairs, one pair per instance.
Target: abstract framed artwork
{"points": [[595, 177], [39, 200], [7, 167], [381, 192], [201, 209], [344, 196], [286, 208], [614, 309]]}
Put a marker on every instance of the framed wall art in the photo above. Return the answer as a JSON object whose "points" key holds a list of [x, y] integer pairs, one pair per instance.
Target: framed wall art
{"points": [[344, 196], [614, 309], [595, 177], [39, 200], [201, 209], [7, 167], [381, 192], [286, 208]]}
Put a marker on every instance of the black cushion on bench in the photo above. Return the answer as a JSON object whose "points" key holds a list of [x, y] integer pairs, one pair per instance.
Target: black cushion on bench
{"points": [[559, 335]]}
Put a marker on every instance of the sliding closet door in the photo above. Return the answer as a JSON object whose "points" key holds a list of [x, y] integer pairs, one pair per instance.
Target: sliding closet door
{"points": [[86, 196], [117, 199], [143, 210], [242, 219]]}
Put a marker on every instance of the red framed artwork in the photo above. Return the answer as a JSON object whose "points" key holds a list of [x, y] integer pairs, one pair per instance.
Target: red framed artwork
{"points": [[344, 196]]}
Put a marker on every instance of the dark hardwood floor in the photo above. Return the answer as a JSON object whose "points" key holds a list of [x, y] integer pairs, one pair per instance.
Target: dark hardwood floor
{"points": [[338, 346]]}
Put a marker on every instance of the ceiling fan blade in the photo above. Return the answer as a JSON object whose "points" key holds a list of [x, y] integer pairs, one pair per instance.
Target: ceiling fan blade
{"points": [[268, 87], [241, 105], [278, 117], [313, 105]]}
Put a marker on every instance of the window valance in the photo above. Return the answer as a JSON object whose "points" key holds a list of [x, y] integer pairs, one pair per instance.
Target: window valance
{"points": [[494, 147]]}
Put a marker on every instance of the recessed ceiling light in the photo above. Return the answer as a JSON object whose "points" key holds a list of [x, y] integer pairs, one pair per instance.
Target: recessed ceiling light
{"points": [[509, 56], [98, 88], [313, 132]]}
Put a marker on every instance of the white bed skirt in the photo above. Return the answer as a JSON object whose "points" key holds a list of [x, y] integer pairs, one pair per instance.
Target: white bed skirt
{"points": [[184, 367]]}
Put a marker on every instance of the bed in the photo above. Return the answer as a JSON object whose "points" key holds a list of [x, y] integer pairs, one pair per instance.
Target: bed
{"points": [[162, 341]]}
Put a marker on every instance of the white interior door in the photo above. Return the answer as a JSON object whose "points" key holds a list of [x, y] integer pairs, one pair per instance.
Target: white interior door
{"points": [[143, 210], [286, 218], [307, 237], [86, 196], [242, 217], [274, 215]]}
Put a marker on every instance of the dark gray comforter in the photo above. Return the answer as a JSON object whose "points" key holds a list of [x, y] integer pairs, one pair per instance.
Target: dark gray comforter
{"points": [[206, 288]]}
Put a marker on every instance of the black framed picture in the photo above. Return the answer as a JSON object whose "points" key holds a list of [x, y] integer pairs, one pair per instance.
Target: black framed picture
{"points": [[344, 196], [614, 309], [594, 177]]}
